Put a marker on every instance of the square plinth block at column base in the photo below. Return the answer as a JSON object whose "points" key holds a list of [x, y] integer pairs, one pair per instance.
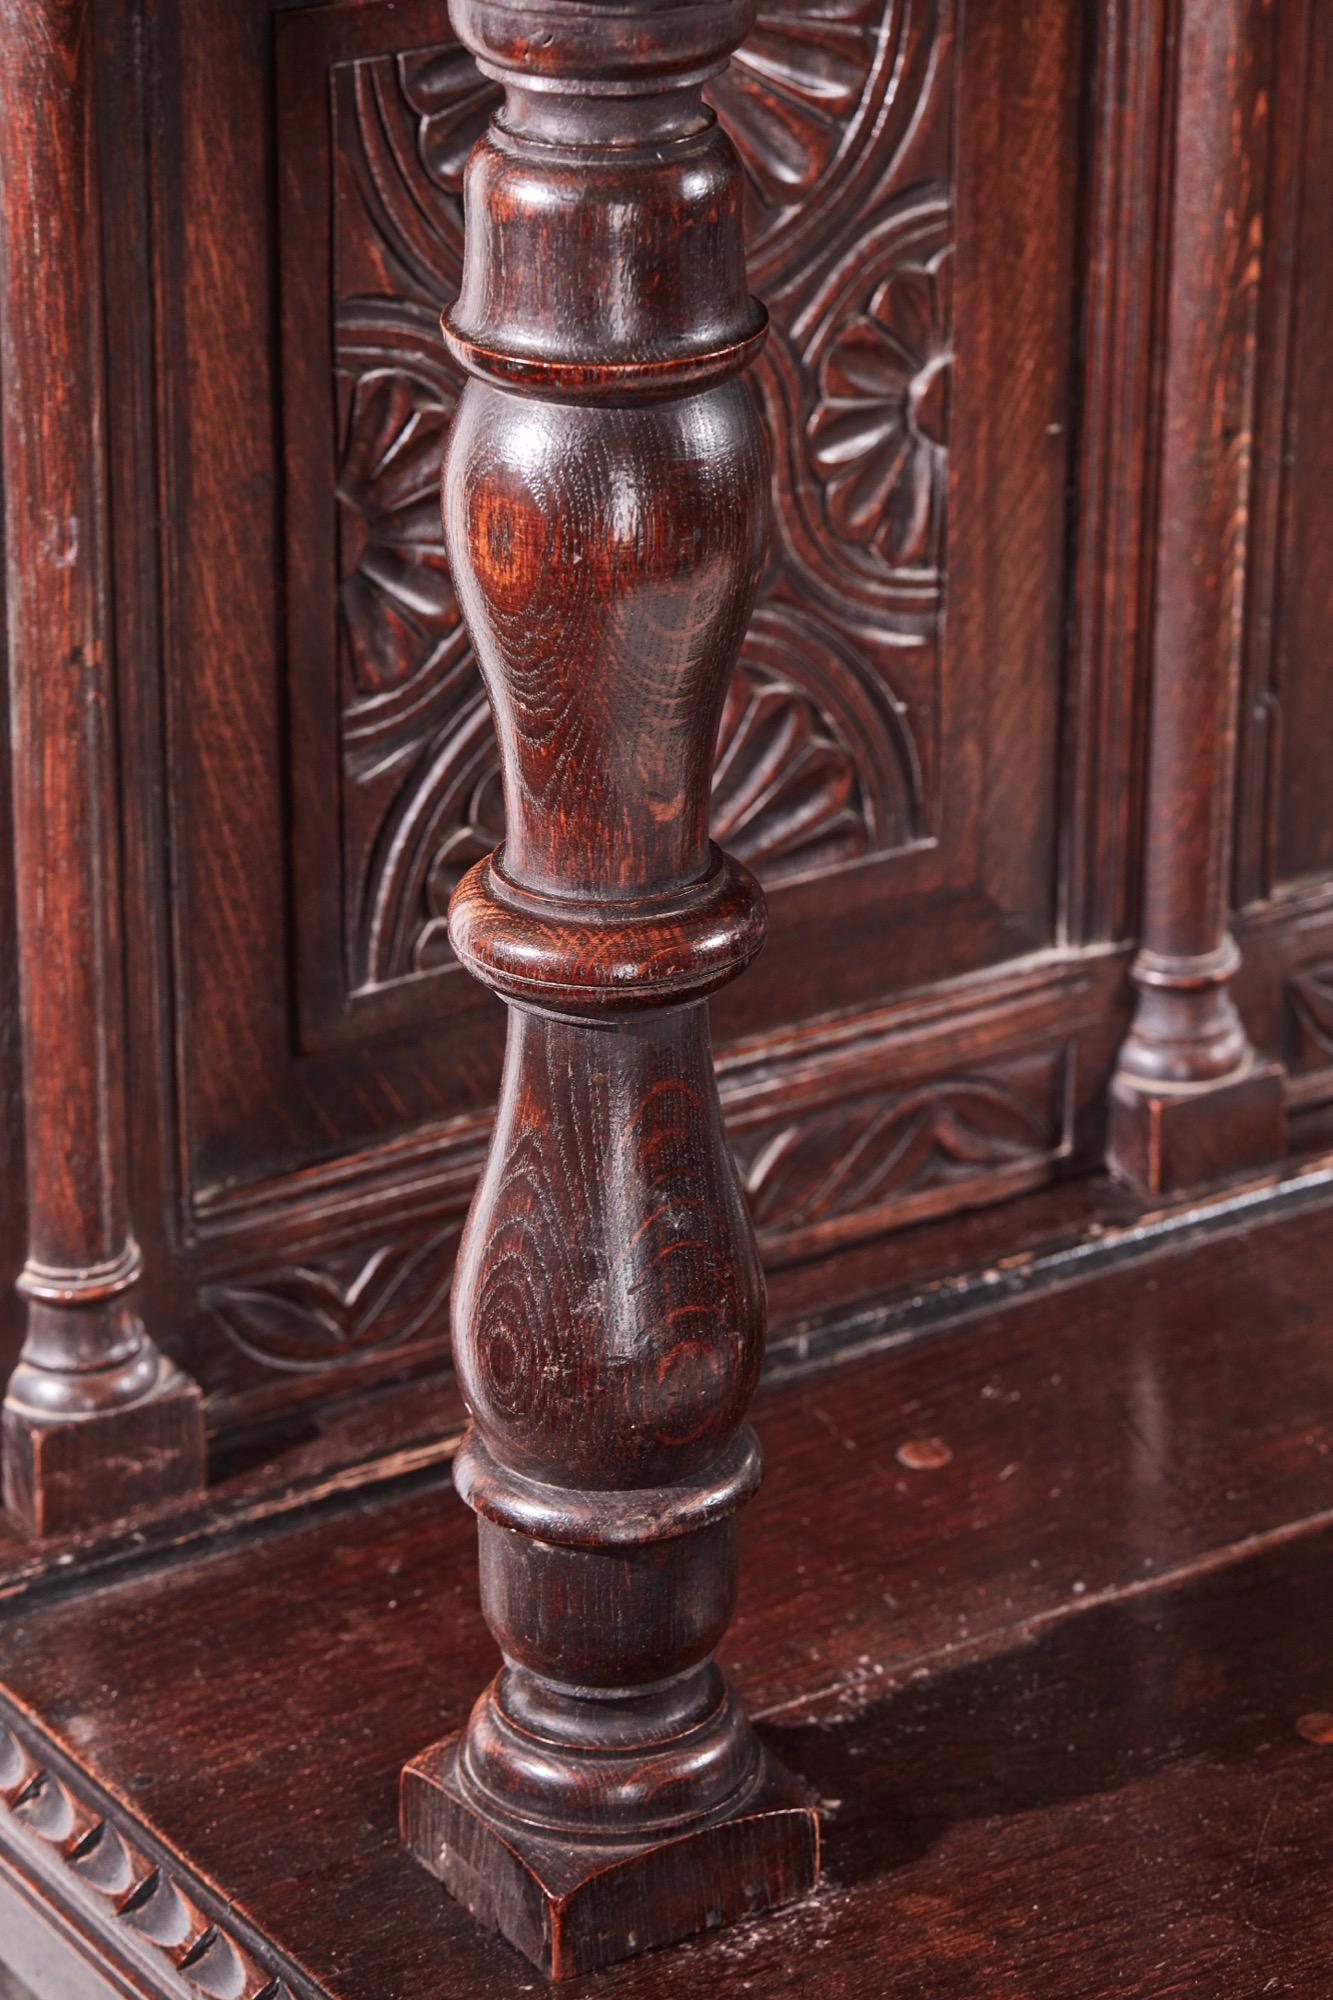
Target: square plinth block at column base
{"points": [[573, 1908], [1169, 1141], [64, 1475]]}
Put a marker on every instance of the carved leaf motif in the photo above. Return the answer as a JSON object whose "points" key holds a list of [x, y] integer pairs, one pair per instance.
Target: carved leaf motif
{"points": [[477, 832], [878, 435], [862, 1153], [817, 761], [331, 1311], [784, 790], [789, 92], [443, 817]]}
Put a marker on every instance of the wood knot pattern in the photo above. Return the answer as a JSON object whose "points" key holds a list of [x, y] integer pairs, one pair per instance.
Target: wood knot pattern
{"points": [[605, 496], [608, 1303]]}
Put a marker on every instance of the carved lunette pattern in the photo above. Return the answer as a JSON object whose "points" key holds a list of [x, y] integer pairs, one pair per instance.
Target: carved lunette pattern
{"points": [[815, 765], [868, 1150], [798, 99], [850, 1166], [854, 390], [333, 1308], [138, 1894]]}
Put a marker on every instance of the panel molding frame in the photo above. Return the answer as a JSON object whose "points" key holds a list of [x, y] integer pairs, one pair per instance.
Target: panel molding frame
{"points": [[241, 1213], [1256, 873], [1047, 1030]]}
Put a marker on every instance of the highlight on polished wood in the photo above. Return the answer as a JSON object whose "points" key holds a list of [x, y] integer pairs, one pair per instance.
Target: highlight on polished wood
{"points": [[605, 505], [953, 625], [97, 1424], [1191, 1100]]}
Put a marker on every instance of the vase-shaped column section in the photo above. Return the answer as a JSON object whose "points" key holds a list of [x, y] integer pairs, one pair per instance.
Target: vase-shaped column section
{"points": [[605, 502]]}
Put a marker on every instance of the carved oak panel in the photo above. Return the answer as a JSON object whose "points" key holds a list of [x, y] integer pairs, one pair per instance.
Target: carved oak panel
{"points": [[827, 748], [1291, 590], [889, 754], [905, 1153]]}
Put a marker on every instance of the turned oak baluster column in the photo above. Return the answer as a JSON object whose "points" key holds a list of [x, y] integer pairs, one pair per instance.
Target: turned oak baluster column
{"points": [[1190, 1100], [604, 499], [96, 1423]]}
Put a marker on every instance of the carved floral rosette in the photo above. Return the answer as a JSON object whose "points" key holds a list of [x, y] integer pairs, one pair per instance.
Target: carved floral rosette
{"points": [[841, 117]]}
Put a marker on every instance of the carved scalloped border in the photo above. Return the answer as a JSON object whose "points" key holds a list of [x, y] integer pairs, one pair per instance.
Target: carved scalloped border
{"points": [[109, 1868]]}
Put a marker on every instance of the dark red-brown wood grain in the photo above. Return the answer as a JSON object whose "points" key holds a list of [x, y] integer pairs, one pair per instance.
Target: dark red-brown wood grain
{"points": [[1035, 675], [1190, 1096], [605, 514], [96, 1422], [937, 767], [1053, 1689]]}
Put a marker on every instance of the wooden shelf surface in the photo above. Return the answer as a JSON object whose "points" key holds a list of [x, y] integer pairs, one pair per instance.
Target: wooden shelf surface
{"points": [[1042, 1613]]}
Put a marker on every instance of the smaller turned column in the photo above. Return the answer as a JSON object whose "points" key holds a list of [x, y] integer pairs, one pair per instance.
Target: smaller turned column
{"points": [[605, 493], [1190, 1100], [96, 1423]]}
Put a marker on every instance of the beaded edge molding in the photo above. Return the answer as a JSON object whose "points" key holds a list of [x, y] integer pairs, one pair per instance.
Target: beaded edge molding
{"points": [[120, 1879]]}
